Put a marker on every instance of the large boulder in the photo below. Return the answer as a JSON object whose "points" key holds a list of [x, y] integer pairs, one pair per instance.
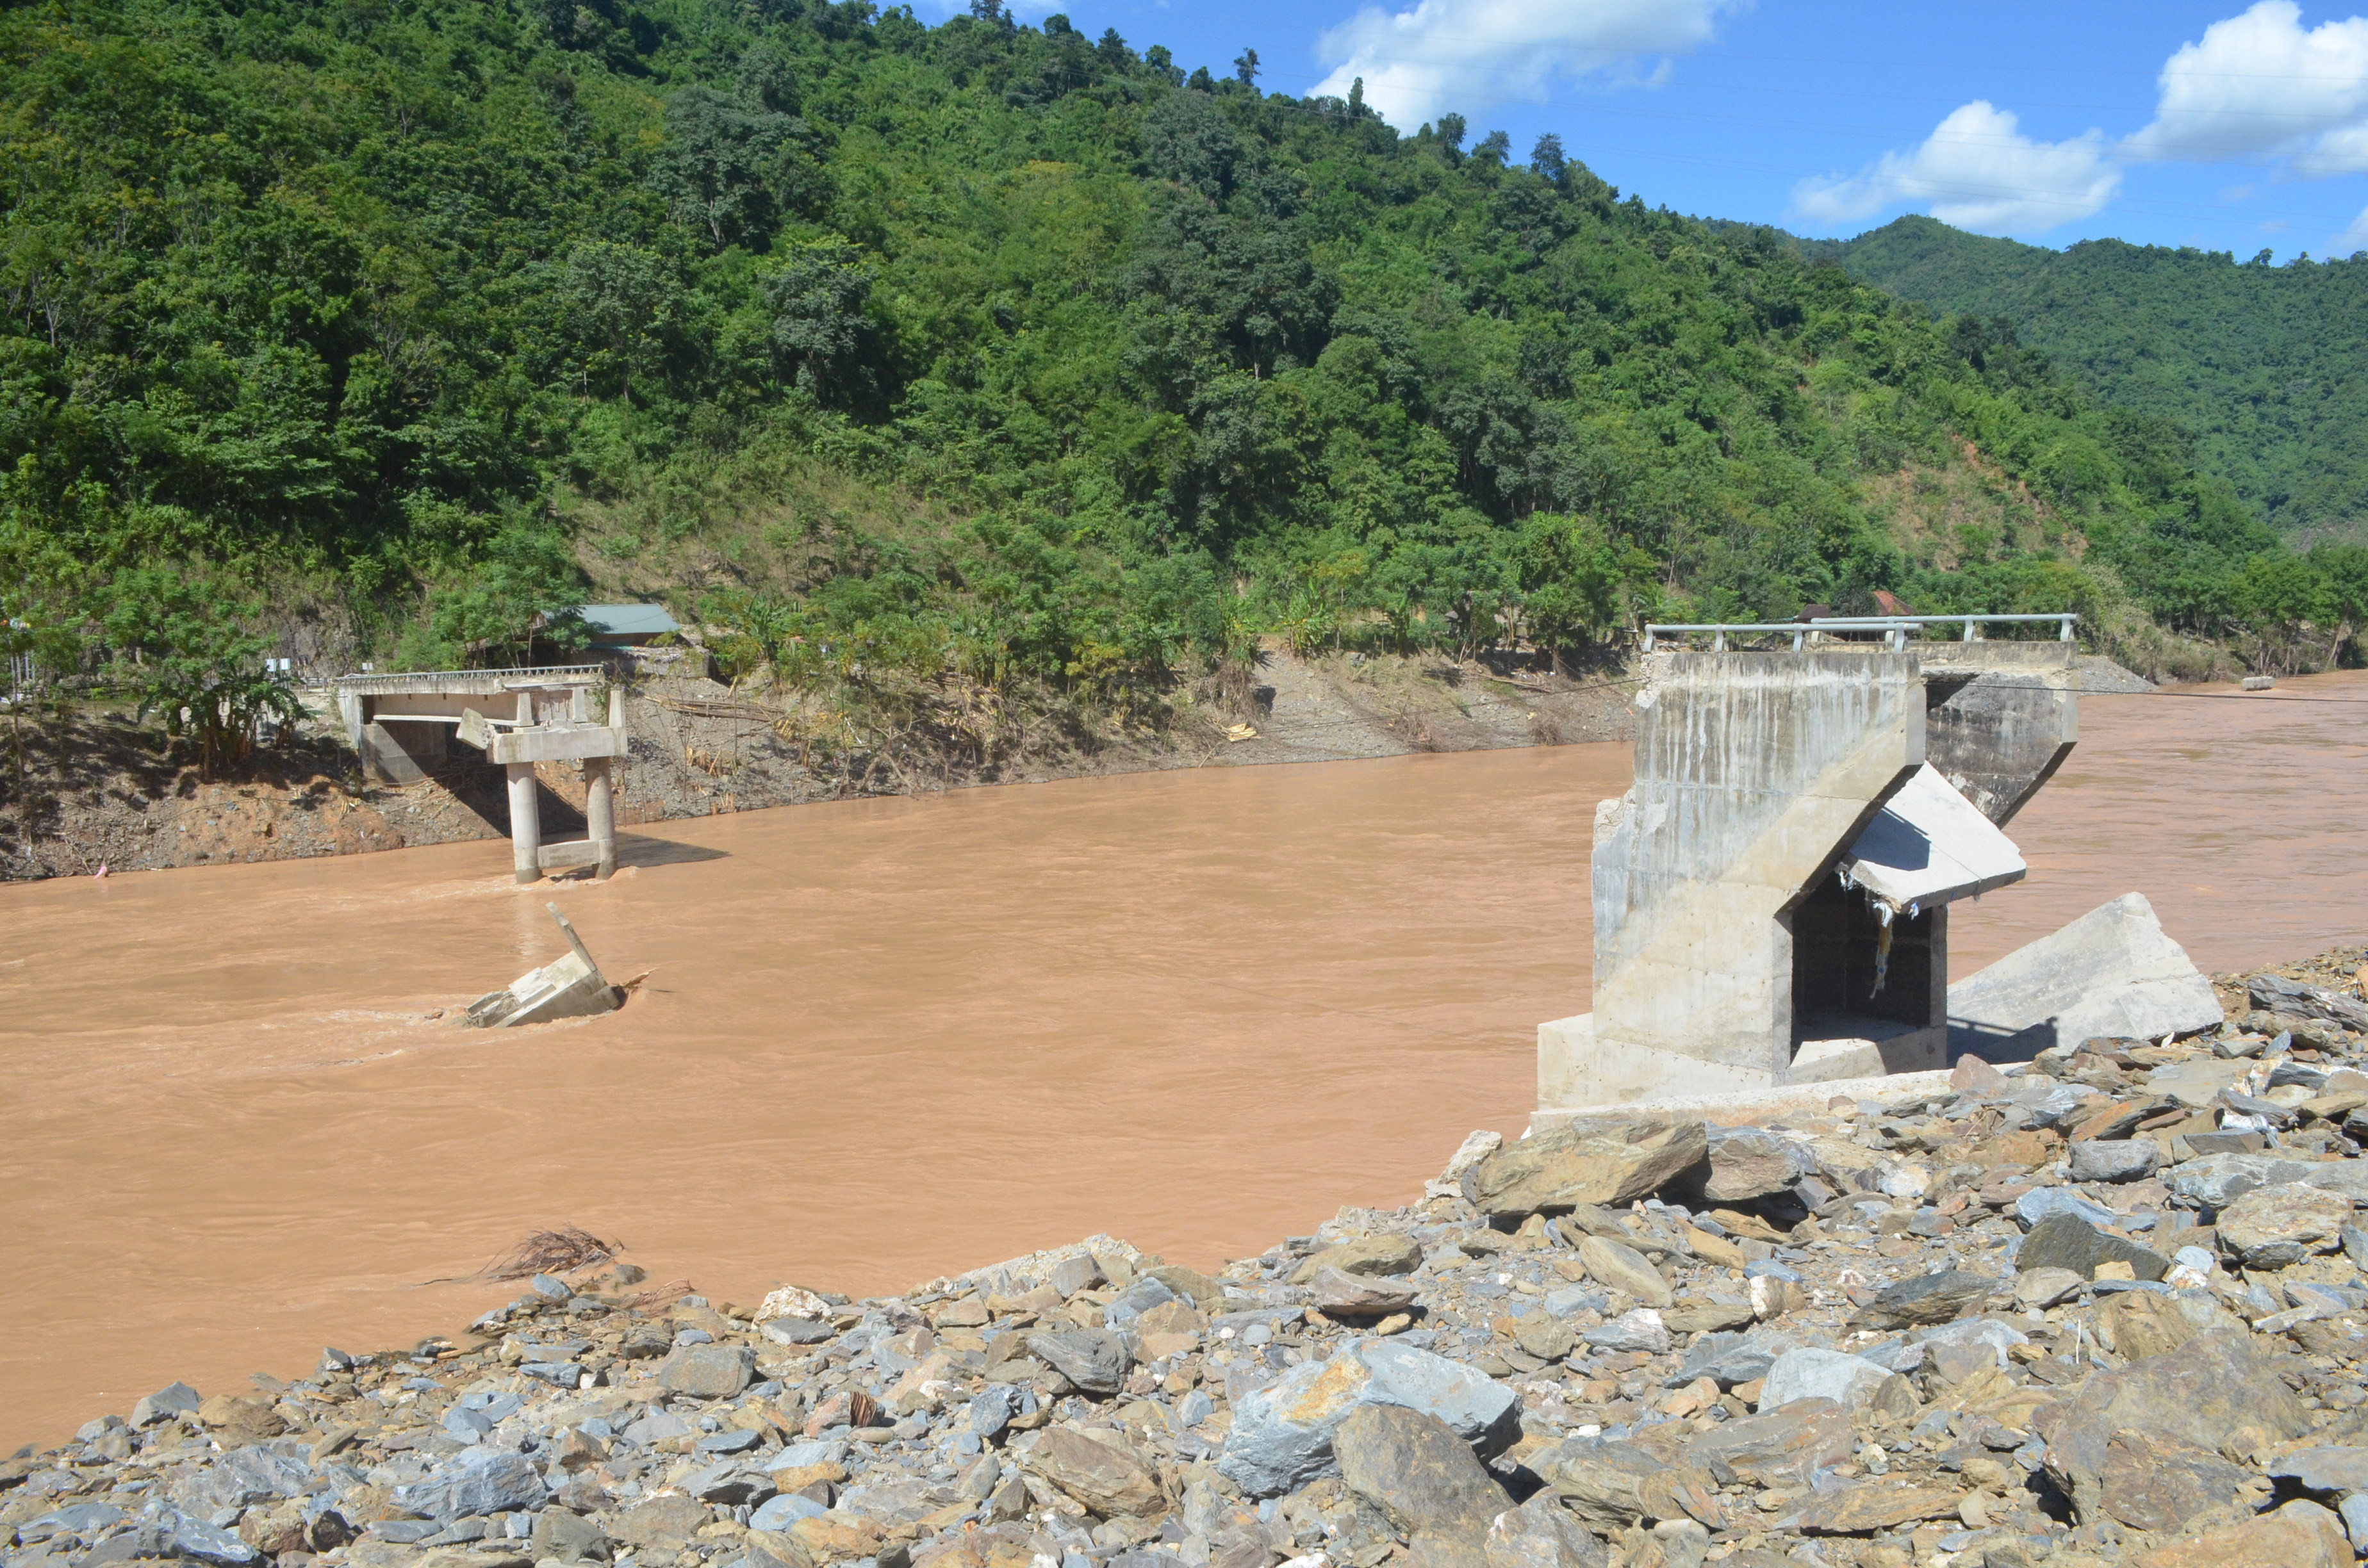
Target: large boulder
{"points": [[1281, 1436], [1555, 1171], [2199, 1396], [1418, 1471]]}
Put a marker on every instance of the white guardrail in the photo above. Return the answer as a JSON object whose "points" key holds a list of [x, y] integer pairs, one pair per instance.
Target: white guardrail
{"points": [[1894, 628]]}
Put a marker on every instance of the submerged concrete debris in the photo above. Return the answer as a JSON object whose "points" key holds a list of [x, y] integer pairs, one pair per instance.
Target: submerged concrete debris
{"points": [[2105, 1308], [570, 986]]}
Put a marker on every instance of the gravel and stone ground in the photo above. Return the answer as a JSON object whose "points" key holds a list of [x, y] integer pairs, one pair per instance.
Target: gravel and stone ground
{"points": [[2107, 1308]]}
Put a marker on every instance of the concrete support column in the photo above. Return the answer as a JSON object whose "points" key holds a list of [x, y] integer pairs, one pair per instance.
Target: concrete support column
{"points": [[526, 822], [600, 815]]}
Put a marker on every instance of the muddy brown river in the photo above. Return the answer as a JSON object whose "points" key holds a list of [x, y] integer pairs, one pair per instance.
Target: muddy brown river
{"points": [[887, 1039]]}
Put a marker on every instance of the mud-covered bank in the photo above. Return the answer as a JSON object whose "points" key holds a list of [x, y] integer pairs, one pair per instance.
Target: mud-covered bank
{"points": [[101, 790]]}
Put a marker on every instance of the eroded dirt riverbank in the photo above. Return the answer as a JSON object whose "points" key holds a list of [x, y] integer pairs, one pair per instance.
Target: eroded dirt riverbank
{"points": [[889, 1039]]}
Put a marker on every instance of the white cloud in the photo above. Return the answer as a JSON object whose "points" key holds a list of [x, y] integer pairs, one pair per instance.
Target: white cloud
{"points": [[1975, 171], [2257, 85], [1465, 54], [2354, 238]]}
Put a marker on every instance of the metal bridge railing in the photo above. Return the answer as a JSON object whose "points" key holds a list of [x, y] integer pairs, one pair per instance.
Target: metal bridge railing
{"points": [[1894, 628]]}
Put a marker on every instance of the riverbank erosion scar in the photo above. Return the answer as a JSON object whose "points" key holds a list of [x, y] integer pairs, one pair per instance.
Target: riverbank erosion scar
{"points": [[1770, 897], [1928, 1327]]}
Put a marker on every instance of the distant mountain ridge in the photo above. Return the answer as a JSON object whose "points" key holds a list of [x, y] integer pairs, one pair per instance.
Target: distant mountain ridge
{"points": [[2267, 367]]}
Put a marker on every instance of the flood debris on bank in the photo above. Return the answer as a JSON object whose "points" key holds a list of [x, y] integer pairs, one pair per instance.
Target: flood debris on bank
{"points": [[2108, 1308]]}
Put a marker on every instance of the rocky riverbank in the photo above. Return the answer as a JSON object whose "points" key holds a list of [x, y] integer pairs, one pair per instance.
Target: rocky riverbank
{"points": [[2106, 1307]]}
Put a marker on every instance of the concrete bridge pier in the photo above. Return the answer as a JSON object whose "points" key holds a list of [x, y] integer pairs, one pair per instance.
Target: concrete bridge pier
{"points": [[526, 822], [599, 800]]}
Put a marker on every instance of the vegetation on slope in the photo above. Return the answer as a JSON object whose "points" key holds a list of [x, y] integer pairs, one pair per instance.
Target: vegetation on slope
{"points": [[2262, 363], [979, 354]]}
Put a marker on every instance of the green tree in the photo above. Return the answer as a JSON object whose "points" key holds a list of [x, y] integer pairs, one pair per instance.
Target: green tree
{"points": [[182, 642]]}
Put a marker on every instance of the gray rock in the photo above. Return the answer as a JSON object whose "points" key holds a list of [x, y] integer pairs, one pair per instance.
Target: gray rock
{"points": [[655, 1427], [2349, 1178], [706, 1371], [2044, 1202], [173, 1399], [480, 1481], [1360, 1296], [1093, 1358], [2354, 1511], [736, 1440], [1134, 1300], [1075, 1273], [1281, 1435], [1958, 1350], [2291, 998], [2217, 1180], [1616, 1267], [1572, 1300], [1417, 1471], [2198, 1395], [1731, 1358], [2065, 1241], [1560, 1169], [795, 1331], [1542, 1533], [1640, 1329], [797, 1456], [1786, 1448], [567, 1537], [2125, 1159], [166, 1532], [2047, 1103], [1810, 1373], [558, 1374], [2277, 1226], [469, 1426], [993, 1409], [729, 1483], [1604, 1482], [1750, 1162], [1928, 1299], [2343, 1470], [779, 1513]]}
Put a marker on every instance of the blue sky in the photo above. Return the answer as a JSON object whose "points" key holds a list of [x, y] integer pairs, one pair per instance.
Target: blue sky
{"points": [[2227, 125]]}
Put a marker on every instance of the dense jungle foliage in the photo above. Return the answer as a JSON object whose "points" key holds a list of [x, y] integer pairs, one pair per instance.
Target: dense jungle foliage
{"points": [[390, 328], [2262, 363]]}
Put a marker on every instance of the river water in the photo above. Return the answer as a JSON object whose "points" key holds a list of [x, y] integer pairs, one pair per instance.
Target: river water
{"points": [[887, 1040]]}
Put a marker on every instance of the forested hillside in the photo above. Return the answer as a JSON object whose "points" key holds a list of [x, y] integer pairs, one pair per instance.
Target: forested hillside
{"points": [[975, 352], [2267, 365]]}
